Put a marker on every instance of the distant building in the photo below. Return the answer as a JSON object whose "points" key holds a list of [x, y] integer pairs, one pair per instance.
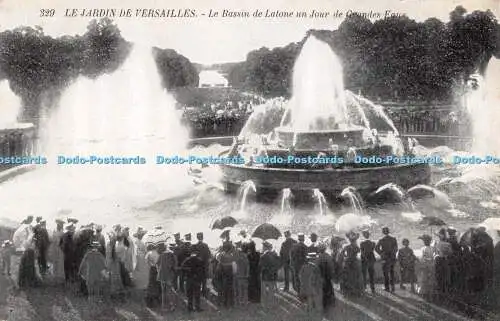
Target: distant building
{"points": [[212, 78]]}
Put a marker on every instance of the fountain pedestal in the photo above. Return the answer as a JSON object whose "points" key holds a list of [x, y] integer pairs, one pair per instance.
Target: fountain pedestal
{"points": [[319, 139]]}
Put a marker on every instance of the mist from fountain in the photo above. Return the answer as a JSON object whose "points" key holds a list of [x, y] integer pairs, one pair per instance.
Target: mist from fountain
{"points": [[124, 114], [10, 105]]}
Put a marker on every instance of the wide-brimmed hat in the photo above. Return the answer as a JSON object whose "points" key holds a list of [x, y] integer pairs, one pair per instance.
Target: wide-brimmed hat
{"points": [[70, 227], [140, 232], [352, 236], [425, 237], [95, 244], [59, 221], [72, 220], [267, 245], [311, 255]]}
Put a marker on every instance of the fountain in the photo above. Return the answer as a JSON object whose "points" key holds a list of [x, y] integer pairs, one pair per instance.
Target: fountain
{"points": [[323, 133], [245, 188], [354, 198], [123, 114], [286, 201]]}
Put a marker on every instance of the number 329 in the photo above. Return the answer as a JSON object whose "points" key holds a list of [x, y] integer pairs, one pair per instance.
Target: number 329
{"points": [[47, 12]]}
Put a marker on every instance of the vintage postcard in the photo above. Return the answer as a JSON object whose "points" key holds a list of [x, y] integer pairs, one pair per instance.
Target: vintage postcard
{"points": [[249, 160]]}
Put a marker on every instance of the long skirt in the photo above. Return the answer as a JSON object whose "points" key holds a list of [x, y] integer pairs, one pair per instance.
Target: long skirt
{"points": [[426, 279], [27, 271], [328, 294], [351, 282], [57, 260], [153, 293]]}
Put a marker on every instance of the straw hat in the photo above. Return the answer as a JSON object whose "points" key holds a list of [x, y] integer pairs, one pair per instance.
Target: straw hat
{"points": [[352, 236], [425, 237], [140, 232], [70, 227]]}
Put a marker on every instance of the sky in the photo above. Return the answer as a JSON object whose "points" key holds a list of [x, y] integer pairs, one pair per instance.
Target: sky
{"points": [[215, 40]]}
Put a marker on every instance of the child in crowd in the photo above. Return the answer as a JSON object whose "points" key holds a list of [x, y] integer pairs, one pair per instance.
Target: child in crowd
{"points": [[407, 259], [6, 252]]}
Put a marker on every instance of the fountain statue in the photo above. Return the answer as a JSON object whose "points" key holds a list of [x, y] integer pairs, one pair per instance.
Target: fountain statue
{"points": [[323, 133]]}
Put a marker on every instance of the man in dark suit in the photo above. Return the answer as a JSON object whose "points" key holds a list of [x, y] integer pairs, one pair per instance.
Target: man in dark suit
{"points": [[286, 248], [387, 248], [194, 270], [368, 259], [313, 248], [184, 253], [204, 253], [298, 259]]}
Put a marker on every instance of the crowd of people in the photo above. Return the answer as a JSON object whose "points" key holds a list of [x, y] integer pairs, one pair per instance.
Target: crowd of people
{"points": [[228, 118], [88, 262], [219, 118]]}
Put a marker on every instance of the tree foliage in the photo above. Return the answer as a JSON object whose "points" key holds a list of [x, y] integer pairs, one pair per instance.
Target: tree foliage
{"points": [[175, 69], [40, 66], [392, 58]]}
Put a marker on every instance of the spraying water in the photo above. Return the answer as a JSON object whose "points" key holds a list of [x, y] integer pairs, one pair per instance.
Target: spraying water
{"points": [[10, 105], [355, 199], [123, 114], [245, 188], [286, 198], [400, 192], [321, 201], [482, 105], [318, 89]]}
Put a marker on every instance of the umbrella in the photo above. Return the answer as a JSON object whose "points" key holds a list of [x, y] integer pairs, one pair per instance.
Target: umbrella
{"points": [[267, 231], [154, 237], [222, 223], [466, 238]]}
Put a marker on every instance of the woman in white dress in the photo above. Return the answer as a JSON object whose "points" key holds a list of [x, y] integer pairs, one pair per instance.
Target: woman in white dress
{"points": [[426, 275]]}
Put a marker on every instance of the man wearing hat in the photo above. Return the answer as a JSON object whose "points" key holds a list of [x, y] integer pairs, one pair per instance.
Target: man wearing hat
{"points": [[457, 269], [69, 249], [42, 241], [298, 256], [269, 265], [184, 253], [286, 248], [367, 247], [313, 248], [194, 270], [387, 248], [204, 253], [177, 252]]}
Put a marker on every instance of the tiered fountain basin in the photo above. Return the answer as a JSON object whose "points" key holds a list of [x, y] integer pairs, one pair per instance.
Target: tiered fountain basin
{"points": [[319, 139], [330, 178], [333, 180]]}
